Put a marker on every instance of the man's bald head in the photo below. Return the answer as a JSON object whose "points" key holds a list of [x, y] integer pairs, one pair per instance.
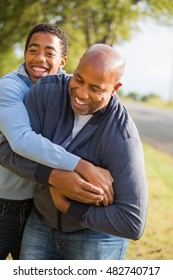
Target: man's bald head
{"points": [[96, 79], [106, 58]]}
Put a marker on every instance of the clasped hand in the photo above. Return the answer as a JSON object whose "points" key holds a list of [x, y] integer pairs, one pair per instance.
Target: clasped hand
{"points": [[88, 184]]}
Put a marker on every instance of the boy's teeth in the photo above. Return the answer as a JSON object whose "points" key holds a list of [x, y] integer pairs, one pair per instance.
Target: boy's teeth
{"points": [[39, 69]]}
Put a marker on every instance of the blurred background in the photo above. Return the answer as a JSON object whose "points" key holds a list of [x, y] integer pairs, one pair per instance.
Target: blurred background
{"points": [[142, 31]]}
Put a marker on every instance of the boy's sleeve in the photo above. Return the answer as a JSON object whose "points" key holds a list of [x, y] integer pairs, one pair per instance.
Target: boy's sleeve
{"points": [[15, 125]]}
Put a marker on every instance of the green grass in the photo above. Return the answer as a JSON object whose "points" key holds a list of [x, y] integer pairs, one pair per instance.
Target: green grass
{"points": [[157, 240]]}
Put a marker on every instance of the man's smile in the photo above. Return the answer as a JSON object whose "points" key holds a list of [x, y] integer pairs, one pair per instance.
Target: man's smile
{"points": [[79, 102]]}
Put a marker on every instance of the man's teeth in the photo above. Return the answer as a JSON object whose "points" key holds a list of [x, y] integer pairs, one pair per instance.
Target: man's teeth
{"points": [[79, 102]]}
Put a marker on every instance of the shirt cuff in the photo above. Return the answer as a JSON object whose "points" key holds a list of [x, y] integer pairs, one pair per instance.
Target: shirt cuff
{"points": [[42, 174], [77, 210]]}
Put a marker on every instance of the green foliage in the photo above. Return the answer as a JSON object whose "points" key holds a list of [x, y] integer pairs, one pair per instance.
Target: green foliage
{"points": [[151, 96], [9, 62], [162, 10], [85, 22], [133, 95]]}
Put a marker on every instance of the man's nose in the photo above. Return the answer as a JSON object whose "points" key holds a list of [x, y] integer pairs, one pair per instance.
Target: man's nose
{"points": [[83, 92]]}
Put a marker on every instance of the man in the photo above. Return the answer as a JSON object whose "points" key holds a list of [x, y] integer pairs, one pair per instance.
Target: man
{"points": [[84, 114], [45, 54]]}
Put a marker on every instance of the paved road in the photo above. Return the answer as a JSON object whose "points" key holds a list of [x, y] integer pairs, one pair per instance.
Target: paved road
{"points": [[155, 126]]}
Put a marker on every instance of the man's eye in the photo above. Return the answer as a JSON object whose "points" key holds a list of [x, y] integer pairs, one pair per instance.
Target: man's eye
{"points": [[79, 81], [50, 54], [95, 90], [98, 90]]}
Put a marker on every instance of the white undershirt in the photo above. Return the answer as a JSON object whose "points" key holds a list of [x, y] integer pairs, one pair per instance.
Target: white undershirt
{"points": [[79, 122]]}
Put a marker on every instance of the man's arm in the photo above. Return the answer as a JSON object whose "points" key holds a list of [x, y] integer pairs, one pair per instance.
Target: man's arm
{"points": [[126, 217], [93, 185]]}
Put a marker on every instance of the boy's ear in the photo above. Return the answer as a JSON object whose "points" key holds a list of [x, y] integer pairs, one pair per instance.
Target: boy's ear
{"points": [[63, 61]]}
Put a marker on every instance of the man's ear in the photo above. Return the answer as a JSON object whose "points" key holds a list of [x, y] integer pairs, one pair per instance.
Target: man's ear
{"points": [[116, 88]]}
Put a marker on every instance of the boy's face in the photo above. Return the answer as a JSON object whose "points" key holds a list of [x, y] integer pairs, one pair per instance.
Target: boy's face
{"points": [[43, 56]]}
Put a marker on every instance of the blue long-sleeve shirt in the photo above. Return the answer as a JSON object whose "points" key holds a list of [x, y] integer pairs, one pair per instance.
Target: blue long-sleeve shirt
{"points": [[15, 125], [110, 140]]}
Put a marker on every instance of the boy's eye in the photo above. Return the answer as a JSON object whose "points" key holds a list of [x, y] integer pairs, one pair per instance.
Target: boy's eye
{"points": [[32, 50]]}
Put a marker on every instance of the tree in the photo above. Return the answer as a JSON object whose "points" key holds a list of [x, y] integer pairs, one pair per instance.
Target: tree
{"points": [[85, 22]]}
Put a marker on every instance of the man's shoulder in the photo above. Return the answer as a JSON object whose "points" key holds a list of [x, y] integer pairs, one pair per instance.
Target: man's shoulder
{"points": [[51, 79], [53, 86], [121, 120]]}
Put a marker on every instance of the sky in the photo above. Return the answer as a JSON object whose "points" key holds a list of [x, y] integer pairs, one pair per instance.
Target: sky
{"points": [[149, 61]]}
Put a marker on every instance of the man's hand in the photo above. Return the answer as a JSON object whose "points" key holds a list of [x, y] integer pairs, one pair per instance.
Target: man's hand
{"points": [[98, 177], [73, 186], [88, 184], [60, 201]]}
